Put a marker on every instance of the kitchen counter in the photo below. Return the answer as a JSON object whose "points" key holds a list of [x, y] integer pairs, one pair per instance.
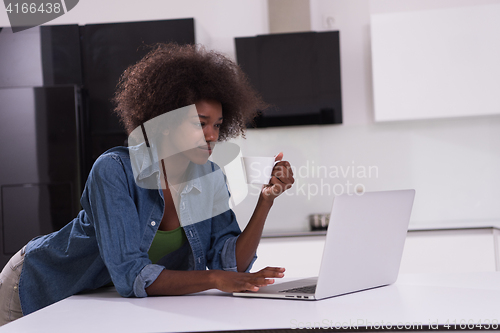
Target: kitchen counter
{"points": [[414, 226]]}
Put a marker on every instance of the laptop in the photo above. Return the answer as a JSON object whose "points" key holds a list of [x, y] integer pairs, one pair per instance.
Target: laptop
{"points": [[363, 247]]}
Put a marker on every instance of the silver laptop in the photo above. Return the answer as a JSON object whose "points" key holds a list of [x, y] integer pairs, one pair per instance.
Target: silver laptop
{"points": [[363, 247]]}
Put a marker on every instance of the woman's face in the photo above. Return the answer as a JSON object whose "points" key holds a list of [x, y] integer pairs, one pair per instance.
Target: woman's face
{"points": [[197, 134]]}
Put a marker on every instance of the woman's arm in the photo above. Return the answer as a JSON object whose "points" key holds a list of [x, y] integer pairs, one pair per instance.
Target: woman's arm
{"points": [[247, 242], [246, 245], [187, 282]]}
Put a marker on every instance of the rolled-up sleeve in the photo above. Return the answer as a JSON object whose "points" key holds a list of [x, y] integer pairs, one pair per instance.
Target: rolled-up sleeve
{"points": [[145, 278], [228, 256]]}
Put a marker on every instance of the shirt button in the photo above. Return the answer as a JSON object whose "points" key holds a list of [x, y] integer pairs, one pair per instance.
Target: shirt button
{"points": [[153, 223]]}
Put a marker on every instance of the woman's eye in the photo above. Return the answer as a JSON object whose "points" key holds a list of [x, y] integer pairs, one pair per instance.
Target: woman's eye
{"points": [[198, 124], [218, 125]]}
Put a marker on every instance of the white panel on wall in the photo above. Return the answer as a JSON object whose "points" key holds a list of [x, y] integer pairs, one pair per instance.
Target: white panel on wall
{"points": [[434, 64]]}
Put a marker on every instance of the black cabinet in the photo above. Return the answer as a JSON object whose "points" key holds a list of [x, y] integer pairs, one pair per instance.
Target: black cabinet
{"points": [[56, 86], [40, 174]]}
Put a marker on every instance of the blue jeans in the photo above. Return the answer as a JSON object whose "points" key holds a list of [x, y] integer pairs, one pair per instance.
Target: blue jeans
{"points": [[10, 306]]}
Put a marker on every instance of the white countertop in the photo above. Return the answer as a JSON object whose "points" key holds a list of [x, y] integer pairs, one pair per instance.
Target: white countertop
{"points": [[465, 298], [414, 226]]}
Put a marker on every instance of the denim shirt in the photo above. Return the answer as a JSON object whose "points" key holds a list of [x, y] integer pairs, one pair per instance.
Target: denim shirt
{"points": [[110, 238]]}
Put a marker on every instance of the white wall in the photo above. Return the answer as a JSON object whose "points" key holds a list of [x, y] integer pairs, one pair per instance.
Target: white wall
{"points": [[452, 163]]}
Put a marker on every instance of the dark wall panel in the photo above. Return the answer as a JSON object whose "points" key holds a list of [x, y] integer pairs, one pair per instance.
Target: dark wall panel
{"points": [[297, 73], [61, 55], [108, 49]]}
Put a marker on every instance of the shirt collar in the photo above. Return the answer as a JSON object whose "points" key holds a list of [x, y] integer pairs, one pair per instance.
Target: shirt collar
{"points": [[194, 173], [145, 164], [144, 161]]}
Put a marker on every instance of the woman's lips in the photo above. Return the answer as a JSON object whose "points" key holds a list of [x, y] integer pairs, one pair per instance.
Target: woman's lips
{"points": [[206, 148]]}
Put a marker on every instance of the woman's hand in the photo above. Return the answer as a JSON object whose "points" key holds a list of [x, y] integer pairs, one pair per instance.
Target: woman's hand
{"points": [[281, 179], [236, 281]]}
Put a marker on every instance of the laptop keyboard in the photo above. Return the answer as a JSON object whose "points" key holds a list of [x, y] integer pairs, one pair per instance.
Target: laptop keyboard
{"points": [[306, 289]]}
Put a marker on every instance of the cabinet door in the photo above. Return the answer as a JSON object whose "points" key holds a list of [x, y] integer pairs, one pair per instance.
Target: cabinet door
{"points": [[432, 251], [40, 181], [496, 241], [446, 251]]}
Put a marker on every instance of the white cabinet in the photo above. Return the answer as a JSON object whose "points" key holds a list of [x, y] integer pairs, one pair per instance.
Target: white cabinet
{"points": [[496, 237], [429, 251], [446, 251]]}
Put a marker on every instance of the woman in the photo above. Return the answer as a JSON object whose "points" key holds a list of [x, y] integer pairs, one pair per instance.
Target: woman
{"points": [[156, 215]]}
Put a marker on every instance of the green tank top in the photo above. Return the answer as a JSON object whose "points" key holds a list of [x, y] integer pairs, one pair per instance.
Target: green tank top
{"points": [[166, 242]]}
